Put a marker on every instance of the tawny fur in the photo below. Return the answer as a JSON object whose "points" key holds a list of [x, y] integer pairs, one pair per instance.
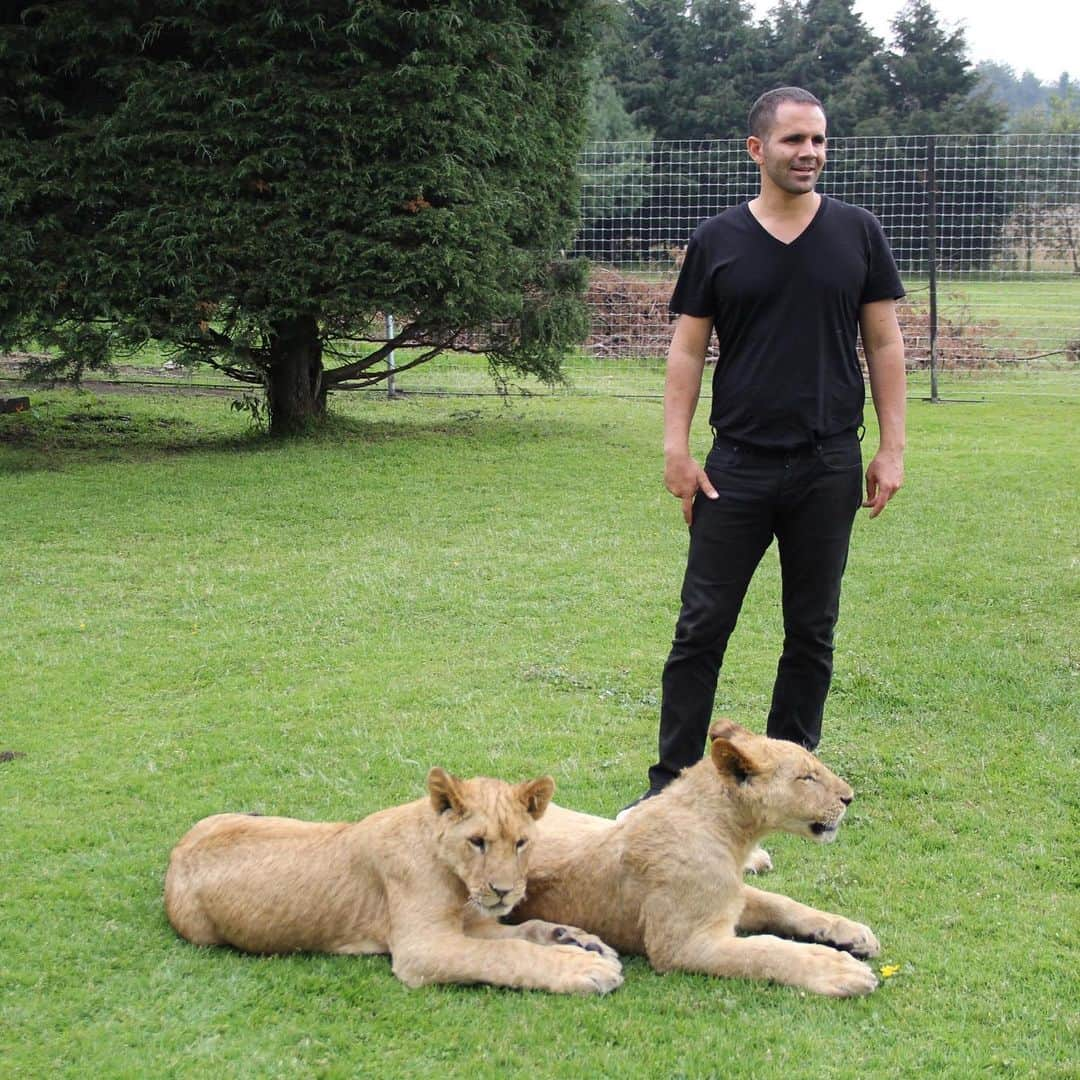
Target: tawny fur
{"points": [[425, 882], [666, 882]]}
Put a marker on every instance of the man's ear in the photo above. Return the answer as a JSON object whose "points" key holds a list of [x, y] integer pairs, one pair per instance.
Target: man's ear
{"points": [[535, 795], [445, 791], [732, 760]]}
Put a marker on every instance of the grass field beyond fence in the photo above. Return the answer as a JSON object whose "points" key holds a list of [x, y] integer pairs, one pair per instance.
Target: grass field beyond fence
{"points": [[195, 619]]}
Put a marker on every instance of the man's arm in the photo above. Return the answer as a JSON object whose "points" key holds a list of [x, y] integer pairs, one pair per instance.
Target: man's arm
{"points": [[884, 347], [682, 387]]}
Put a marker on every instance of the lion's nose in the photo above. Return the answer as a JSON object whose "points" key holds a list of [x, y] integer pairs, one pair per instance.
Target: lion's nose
{"points": [[499, 892], [846, 799]]}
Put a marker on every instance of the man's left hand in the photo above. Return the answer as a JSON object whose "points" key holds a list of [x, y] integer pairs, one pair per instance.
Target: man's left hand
{"points": [[884, 477]]}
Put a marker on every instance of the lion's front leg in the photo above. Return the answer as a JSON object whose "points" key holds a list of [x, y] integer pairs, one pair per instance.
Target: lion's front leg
{"points": [[765, 912], [423, 954], [812, 967], [539, 932]]}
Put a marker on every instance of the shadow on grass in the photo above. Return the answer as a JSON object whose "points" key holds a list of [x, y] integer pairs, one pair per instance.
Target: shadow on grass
{"points": [[65, 428]]}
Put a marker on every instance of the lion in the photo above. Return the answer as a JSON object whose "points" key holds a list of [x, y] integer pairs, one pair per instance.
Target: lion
{"points": [[426, 882], [666, 881]]}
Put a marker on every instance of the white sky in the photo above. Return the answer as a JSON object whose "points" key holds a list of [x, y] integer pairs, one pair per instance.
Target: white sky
{"points": [[1035, 35]]}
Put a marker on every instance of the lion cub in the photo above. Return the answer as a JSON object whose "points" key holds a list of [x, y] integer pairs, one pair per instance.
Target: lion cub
{"points": [[667, 880], [425, 882]]}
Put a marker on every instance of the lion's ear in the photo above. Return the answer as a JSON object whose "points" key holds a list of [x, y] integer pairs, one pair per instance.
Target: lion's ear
{"points": [[445, 791], [536, 794], [732, 760], [723, 728]]}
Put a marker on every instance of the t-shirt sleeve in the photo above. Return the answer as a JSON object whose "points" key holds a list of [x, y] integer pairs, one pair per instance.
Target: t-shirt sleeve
{"points": [[693, 293], [882, 279]]}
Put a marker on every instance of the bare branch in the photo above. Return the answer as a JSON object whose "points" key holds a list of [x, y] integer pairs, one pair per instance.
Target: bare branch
{"points": [[336, 383], [244, 375], [364, 362], [357, 368], [227, 345]]}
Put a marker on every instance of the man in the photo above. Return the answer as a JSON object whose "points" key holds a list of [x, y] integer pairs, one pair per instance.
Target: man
{"points": [[787, 281]]}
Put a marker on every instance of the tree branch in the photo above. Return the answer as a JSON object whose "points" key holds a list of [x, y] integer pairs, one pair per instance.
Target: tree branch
{"points": [[335, 379], [336, 376], [239, 374]]}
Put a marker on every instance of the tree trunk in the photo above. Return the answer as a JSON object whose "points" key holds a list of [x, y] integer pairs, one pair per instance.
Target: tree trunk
{"points": [[295, 395]]}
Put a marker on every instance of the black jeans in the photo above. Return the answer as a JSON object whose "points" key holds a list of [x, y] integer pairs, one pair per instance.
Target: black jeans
{"points": [[807, 499]]}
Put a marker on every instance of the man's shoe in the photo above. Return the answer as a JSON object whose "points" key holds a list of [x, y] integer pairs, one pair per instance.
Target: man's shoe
{"points": [[637, 802]]}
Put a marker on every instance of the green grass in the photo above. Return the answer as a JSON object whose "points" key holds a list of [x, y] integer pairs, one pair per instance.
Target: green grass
{"points": [[195, 619]]}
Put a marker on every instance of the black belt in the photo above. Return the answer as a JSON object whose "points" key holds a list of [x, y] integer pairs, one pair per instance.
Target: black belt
{"points": [[805, 449]]}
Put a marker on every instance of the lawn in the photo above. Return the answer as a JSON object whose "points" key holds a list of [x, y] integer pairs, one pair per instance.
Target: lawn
{"points": [[194, 619]]}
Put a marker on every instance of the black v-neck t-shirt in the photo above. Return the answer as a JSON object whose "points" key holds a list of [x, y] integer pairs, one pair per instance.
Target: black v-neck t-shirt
{"points": [[786, 319]]}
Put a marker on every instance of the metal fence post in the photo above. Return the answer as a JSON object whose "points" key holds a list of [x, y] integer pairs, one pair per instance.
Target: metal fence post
{"points": [[391, 390], [932, 258]]}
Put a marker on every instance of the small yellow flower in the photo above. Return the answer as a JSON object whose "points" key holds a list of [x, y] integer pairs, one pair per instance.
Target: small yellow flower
{"points": [[889, 970]]}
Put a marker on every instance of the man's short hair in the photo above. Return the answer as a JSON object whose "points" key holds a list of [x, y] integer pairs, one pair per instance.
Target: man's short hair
{"points": [[763, 111]]}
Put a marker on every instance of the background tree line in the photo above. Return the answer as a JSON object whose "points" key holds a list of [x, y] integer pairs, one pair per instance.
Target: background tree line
{"points": [[689, 69], [1033, 106]]}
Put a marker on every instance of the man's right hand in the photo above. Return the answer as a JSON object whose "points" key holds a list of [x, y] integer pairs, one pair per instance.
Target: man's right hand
{"points": [[684, 477]]}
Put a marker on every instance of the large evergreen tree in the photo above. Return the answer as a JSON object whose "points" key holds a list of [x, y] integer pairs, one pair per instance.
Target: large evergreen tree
{"points": [[688, 69], [933, 86], [642, 59], [608, 113], [824, 46], [253, 183]]}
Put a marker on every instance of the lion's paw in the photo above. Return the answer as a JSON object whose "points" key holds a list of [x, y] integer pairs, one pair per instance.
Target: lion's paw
{"points": [[851, 937], [582, 939], [837, 974], [590, 972], [758, 862]]}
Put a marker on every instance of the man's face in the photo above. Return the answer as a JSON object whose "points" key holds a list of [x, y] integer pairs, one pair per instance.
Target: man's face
{"points": [[792, 154]]}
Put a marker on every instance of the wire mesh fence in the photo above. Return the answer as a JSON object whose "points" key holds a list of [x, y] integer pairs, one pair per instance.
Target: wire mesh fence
{"points": [[985, 228]]}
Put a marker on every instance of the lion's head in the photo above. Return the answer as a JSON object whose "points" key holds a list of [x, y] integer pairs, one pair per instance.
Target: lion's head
{"points": [[782, 785], [485, 828]]}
